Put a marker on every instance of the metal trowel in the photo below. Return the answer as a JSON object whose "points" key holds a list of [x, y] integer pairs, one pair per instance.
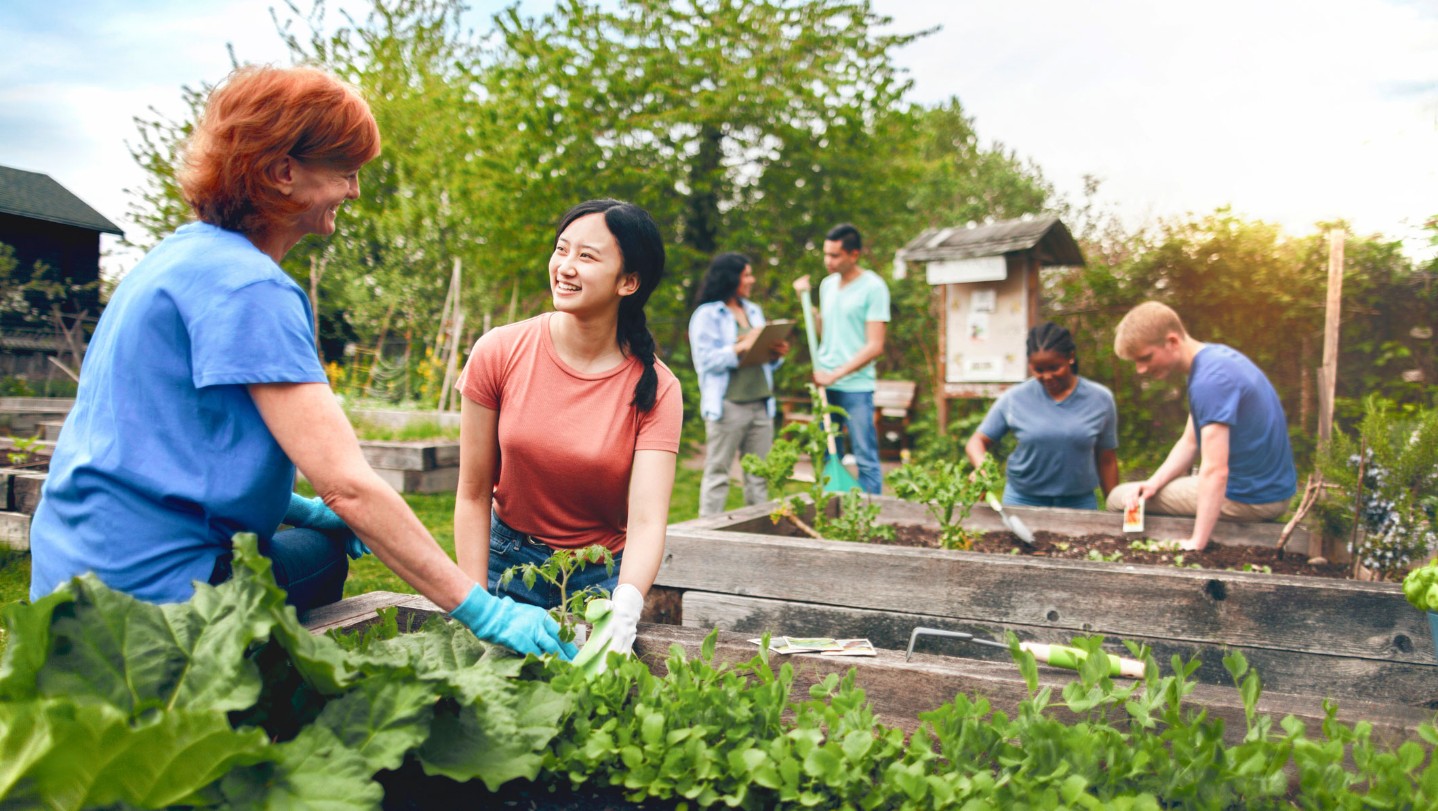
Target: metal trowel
{"points": [[1013, 522]]}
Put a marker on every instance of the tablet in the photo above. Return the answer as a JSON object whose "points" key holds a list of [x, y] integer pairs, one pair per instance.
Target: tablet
{"points": [[773, 333]]}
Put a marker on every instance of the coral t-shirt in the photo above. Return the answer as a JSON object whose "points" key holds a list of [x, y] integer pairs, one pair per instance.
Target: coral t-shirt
{"points": [[566, 439]]}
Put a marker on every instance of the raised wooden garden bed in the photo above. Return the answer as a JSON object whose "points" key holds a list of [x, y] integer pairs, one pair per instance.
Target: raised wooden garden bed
{"points": [[1308, 636], [22, 416], [21, 477], [899, 690], [415, 466]]}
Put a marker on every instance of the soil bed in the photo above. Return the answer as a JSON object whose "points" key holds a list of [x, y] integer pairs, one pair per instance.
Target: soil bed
{"points": [[1127, 549]]}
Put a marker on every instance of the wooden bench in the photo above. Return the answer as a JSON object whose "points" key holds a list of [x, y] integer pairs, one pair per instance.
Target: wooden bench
{"points": [[893, 402]]}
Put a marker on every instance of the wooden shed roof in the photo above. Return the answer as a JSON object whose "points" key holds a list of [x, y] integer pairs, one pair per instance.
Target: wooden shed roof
{"points": [[1051, 238], [39, 197]]}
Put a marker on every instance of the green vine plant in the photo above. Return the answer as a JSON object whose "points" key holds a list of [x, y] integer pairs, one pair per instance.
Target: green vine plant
{"points": [[949, 490], [858, 519], [557, 570]]}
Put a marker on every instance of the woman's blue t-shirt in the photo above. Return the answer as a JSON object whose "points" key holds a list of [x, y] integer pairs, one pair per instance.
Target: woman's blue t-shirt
{"points": [[1056, 440], [164, 456]]}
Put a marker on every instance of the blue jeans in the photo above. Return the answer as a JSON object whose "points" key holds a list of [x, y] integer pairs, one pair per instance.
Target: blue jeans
{"points": [[308, 564], [863, 438], [508, 548], [1082, 501]]}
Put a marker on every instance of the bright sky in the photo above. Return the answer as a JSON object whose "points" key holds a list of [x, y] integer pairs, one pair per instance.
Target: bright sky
{"points": [[1291, 111]]}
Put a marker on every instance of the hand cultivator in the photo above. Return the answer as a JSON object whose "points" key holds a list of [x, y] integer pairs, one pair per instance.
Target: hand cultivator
{"points": [[1055, 655]]}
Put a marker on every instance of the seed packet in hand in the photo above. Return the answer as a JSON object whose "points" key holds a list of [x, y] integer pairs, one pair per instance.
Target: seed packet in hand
{"points": [[1133, 517]]}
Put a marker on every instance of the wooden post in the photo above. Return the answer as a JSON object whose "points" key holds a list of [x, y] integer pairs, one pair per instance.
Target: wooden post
{"points": [[1328, 375], [941, 391], [316, 270], [456, 330]]}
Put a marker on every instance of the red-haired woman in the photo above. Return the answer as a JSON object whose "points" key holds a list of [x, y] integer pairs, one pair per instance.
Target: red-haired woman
{"points": [[202, 390]]}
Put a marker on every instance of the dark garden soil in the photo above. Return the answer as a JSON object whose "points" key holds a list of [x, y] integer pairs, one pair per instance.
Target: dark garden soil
{"points": [[1126, 549], [409, 789]]}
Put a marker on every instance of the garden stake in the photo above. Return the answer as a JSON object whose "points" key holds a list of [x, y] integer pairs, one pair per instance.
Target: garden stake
{"points": [[1013, 522], [1055, 655], [839, 480]]}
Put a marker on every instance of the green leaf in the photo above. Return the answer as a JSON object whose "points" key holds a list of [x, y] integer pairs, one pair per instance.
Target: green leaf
{"points": [[500, 737], [70, 754], [382, 719], [313, 771], [28, 631]]}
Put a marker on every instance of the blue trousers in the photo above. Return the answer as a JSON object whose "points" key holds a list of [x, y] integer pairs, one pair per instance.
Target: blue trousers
{"points": [[1082, 501], [863, 438], [509, 548], [308, 564]]}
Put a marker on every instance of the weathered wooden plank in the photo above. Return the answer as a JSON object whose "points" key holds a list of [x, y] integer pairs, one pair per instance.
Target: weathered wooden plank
{"points": [[57, 404], [439, 480], [1048, 519], [1184, 605], [398, 455], [15, 530], [50, 430], [360, 611], [25, 491], [1299, 673], [898, 690]]}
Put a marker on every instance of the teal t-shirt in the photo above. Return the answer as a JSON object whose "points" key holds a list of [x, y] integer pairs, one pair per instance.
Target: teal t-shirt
{"points": [[846, 312]]}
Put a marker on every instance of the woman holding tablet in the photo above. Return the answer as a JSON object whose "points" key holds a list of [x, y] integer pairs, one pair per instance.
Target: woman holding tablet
{"points": [[735, 399]]}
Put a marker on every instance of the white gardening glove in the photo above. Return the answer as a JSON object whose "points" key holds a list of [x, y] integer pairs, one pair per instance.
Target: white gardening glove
{"points": [[618, 633]]}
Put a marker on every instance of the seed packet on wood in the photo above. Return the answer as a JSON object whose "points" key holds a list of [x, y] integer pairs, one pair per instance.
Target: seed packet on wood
{"points": [[1133, 517], [825, 646]]}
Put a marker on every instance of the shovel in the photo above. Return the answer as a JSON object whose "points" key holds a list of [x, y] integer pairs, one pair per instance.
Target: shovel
{"points": [[1055, 655], [838, 478], [1013, 522]]}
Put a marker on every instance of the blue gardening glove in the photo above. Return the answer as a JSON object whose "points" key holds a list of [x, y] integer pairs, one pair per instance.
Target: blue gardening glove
{"points": [[313, 513], [523, 628]]}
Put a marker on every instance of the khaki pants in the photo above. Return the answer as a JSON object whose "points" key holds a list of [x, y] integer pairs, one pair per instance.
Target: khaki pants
{"points": [[742, 428], [1180, 497]]}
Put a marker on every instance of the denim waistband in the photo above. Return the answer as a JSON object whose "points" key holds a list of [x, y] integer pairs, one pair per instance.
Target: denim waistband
{"points": [[497, 525]]}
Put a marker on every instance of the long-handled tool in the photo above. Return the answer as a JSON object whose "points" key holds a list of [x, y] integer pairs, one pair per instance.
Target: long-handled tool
{"points": [[1056, 655], [837, 477], [1015, 524]]}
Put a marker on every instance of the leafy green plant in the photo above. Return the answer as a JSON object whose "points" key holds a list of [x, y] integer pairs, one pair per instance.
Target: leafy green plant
{"points": [[777, 467], [1421, 586], [858, 520], [226, 701], [1105, 557], [22, 450], [556, 570], [1386, 485], [949, 491]]}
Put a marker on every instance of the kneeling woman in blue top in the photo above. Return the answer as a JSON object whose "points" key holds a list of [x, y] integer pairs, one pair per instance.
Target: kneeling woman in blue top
{"points": [[1066, 426], [202, 390]]}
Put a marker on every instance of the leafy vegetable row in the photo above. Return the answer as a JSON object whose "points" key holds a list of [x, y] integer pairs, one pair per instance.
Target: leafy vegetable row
{"points": [[228, 701]]}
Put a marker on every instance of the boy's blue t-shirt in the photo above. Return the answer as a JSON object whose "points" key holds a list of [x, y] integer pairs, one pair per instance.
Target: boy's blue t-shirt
{"points": [[164, 456], [847, 310], [1226, 387], [1057, 442]]}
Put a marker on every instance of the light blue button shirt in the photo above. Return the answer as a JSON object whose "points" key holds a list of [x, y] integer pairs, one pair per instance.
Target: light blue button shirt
{"points": [[713, 331]]}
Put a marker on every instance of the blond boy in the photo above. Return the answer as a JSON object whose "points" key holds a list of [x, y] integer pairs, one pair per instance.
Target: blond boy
{"points": [[1236, 429]]}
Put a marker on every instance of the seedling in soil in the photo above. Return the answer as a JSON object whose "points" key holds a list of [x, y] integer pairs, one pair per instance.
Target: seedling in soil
{"points": [[556, 571], [22, 450]]}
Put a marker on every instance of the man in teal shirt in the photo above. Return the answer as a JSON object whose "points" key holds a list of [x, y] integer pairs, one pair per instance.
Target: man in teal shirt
{"points": [[853, 319]]}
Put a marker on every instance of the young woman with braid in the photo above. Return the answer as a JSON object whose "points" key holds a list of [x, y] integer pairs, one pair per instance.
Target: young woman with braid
{"points": [[570, 426], [1066, 426]]}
